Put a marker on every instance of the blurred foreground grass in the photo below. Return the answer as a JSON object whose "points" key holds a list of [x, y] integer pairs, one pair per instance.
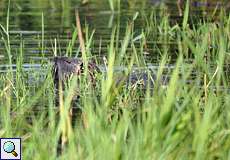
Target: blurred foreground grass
{"points": [[189, 119]]}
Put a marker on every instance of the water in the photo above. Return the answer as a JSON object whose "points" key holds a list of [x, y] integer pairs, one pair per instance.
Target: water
{"points": [[27, 17], [27, 31], [59, 20]]}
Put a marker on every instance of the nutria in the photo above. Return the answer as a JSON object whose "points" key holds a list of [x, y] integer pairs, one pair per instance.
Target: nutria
{"points": [[64, 67]]}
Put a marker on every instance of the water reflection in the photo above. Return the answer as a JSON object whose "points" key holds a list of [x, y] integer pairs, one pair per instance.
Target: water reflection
{"points": [[59, 20], [27, 15]]}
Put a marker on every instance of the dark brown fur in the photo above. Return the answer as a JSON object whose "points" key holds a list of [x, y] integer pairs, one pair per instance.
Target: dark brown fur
{"points": [[65, 67]]}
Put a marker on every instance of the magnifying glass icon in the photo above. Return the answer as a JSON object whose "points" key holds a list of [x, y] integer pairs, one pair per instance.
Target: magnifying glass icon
{"points": [[9, 147]]}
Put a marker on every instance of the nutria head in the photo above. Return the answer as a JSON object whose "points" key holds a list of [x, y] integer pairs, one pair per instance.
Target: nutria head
{"points": [[64, 67]]}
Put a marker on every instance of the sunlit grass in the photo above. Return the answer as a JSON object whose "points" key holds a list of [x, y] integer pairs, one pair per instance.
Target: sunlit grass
{"points": [[187, 119]]}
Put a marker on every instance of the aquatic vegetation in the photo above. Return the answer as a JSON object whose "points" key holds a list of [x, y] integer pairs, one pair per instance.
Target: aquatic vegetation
{"points": [[186, 118]]}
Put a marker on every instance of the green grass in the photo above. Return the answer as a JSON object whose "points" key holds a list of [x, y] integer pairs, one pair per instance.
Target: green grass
{"points": [[182, 121], [114, 4]]}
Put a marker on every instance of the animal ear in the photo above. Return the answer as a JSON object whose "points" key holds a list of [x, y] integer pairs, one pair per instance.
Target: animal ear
{"points": [[67, 61]]}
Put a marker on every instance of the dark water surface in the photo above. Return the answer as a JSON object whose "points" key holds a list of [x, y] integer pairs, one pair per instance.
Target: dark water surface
{"points": [[27, 18]]}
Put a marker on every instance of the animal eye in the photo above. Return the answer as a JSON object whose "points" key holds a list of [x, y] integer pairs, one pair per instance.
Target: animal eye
{"points": [[82, 67]]}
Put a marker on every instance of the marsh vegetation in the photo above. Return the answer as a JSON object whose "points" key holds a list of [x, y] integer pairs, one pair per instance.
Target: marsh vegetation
{"points": [[186, 118]]}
